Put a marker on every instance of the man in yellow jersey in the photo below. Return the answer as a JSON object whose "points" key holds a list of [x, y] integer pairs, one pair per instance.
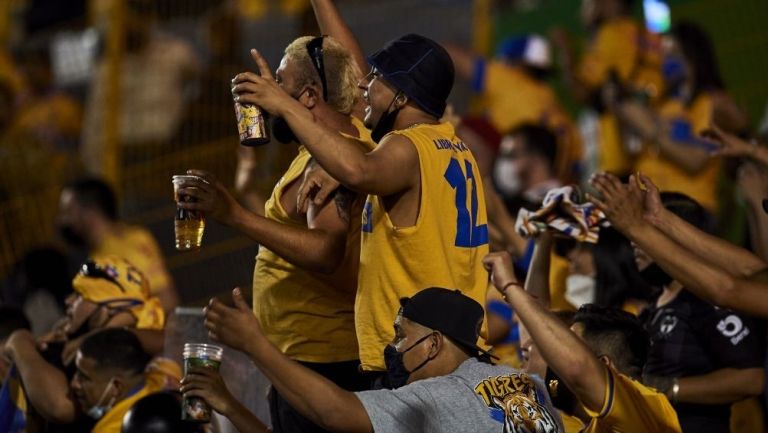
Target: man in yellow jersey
{"points": [[111, 377], [424, 222], [305, 278], [108, 293], [88, 218], [621, 53], [599, 358]]}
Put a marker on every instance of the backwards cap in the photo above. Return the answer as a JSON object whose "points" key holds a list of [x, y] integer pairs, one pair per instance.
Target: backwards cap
{"points": [[111, 281]]}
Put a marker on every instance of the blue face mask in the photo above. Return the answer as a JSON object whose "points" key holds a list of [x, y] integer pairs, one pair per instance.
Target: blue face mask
{"points": [[673, 70]]}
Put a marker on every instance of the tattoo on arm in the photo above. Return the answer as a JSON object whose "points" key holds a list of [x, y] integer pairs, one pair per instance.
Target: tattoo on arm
{"points": [[343, 198]]}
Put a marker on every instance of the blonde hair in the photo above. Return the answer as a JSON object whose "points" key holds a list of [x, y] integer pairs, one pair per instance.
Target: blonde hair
{"points": [[341, 72]]}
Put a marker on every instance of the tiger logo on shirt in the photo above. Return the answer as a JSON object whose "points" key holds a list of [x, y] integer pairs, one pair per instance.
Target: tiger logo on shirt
{"points": [[518, 403], [524, 415]]}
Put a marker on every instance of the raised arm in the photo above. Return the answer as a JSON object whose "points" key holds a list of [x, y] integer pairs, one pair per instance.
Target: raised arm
{"points": [[537, 280], [563, 350], [328, 405], [737, 261], [623, 204], [390, 168], [331, 23], [319, 247], [46, 386]]}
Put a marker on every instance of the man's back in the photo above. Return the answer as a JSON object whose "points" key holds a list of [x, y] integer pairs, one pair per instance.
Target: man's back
{"points": [[476, 397], [443, 248]]}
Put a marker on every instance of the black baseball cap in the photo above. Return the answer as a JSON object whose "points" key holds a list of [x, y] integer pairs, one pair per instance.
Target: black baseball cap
{"points": [[454, 314], [420, 68]]}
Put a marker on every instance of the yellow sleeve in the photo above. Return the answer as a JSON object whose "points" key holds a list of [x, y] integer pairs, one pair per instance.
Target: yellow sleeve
{"points": [[631, 407], [500, 78], [608, 51], [700, 114]]}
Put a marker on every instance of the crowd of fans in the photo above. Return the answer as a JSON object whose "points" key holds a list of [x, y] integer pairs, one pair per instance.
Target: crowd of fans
{"points": [[418, 270]]}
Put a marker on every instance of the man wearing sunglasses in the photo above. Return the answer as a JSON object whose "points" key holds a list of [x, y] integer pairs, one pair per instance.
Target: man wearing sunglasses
{"points": [[424, 222], [305, 278], [108, 293]]}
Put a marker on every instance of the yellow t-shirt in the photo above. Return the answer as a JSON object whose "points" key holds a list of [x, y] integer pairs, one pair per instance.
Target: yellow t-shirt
{"points": [[571, 423], [513, 99], [623, 46], [667, 176], [307, 315], [631, 407], [113, 420], [444, 248], [138, 246]]}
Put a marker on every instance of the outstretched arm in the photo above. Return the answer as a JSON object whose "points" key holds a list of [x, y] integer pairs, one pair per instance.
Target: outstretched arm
{"points": [[623, 204], [328, 405], [319, 247], [390, 168], [563, 350], [537, 280], [737, 261]]}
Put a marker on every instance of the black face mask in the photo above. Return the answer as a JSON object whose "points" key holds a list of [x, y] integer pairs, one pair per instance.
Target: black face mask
{"points": [[397, 374], [655, 276], [386, 121], [71, 236], [282, 131]]}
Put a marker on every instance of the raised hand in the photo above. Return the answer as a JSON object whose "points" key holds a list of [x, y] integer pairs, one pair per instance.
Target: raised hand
{"points": [[316, 186], [622, 204], [261, 89], [211, 197], [652, 203], [208, 384], [236, 327], [499, 265], [730, 145]]}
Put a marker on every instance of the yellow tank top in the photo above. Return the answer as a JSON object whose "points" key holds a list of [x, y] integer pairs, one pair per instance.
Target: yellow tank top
{"points": [[307, 315], [444, 248]]}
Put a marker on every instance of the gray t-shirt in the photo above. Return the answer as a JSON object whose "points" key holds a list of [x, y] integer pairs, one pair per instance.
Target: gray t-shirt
{"points": [[476, 397]]}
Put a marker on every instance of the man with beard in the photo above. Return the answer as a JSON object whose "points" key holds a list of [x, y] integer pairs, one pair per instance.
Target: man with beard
{"points": [[424, 221], [88, 219], [305, 278], [109, 292]]}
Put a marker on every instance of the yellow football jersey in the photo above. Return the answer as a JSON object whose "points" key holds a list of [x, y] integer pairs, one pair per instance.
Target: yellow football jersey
{"points": [[631, 407], [307, 315], [625, 47], [444, 248], [667, 175]]}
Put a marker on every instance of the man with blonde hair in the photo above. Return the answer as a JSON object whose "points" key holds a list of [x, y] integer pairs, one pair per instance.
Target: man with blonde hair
{"points": [[305, 278]]}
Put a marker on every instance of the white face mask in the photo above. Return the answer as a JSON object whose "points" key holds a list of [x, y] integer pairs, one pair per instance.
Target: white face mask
{"points": [[506, 175], [579, 289], [98, 410]]}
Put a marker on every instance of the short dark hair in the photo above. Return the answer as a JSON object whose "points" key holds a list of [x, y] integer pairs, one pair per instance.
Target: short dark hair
{"points": [[95, 193], [617, 334], [539, 141], [689, 210], [116, 348], [616, 275]]}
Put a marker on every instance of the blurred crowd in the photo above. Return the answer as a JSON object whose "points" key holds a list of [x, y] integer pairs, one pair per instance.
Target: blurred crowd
{"points": [[510, 267]]}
